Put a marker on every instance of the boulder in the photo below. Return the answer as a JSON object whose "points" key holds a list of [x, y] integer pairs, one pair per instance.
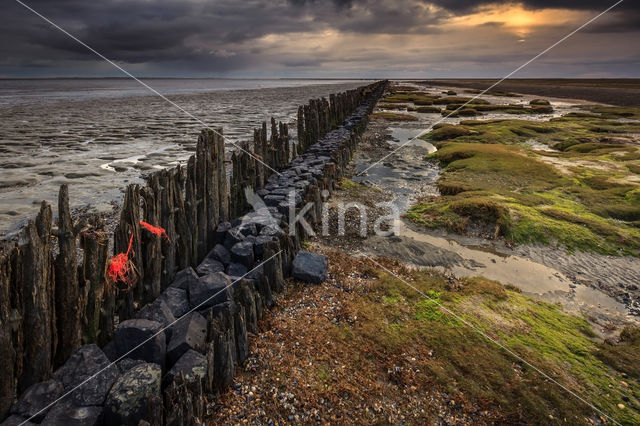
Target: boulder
{"points": [[183, 278], [192, 364], [236, 270], [127, 364], [189, 333], [242, 252], [221, 232], [177, 299], [66, 414], [36, 398], [233, 237], [210, 290], [209, 265], [220, 253], [143, 333], [135, 396], [90, 368], [310, 267], [15, 420], [183, 390], [158, 311]]}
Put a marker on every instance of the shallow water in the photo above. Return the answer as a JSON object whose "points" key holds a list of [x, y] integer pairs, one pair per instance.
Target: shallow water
{"points": [[98, 135]]}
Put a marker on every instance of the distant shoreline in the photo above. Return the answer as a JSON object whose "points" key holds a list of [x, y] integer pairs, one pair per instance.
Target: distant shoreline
{"points": [[613, 91]]}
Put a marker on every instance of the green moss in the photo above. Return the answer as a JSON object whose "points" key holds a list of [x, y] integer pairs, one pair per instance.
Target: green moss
{"points": [[393, 116], [426, 109], [539, 102], [580, 208], [453, 355]]}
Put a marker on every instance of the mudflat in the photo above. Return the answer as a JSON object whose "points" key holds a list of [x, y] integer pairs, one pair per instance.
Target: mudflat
{"points": [[621, 92]]}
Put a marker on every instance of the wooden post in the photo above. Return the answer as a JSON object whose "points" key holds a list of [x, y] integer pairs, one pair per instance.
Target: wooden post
{"points": [[70, 301], [9, 352], [151, 244], [99, 321], [40, 338], [130, 224]]}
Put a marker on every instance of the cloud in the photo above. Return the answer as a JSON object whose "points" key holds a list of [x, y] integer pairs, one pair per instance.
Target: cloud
{"points": [[293, 37]]}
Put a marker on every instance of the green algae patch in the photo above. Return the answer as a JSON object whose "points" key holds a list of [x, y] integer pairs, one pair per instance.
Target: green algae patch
{"points": [[436, 321], [581, 193]]}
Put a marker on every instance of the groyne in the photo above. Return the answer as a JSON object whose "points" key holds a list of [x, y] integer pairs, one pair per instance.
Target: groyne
{"points": [[150, 346]]}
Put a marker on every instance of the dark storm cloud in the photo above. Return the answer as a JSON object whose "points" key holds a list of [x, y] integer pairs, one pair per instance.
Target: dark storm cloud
{"points": [[206, 36]]}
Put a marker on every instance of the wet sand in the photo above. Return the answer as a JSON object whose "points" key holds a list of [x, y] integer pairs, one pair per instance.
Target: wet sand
{"points": [[621, 92], [99, 139]]}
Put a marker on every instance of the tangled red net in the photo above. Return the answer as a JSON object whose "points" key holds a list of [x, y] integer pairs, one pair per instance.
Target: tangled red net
{"points": [[121, 269]]}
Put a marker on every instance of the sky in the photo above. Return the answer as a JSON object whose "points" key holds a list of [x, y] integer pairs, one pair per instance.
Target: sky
{"points": [[319, 38]]}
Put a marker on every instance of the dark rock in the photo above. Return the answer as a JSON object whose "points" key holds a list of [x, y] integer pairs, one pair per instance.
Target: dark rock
{"points": [[70, 415], [177, 300], [242, 253], [248, 229], [310, 267], [127, 364], [258, 247], [110, 351], [135, 396], [209, 265], [233, 236], [210, 290], [183, 278], [192, 364], [36, 398], [188, 333], [15, 420], [144, 333], [220, 253], [221, 232], [236, 270], [90, 368], [183, 390], [160, 312]]}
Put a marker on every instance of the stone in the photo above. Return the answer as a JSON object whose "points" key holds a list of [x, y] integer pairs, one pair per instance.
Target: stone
{"points": [[192, 364], [310, 267], [158, 311], [127, 364], [36, 398], [177, 299], [65, 414], [210, 290], [183, 278], [90, 368], [221, 232], [110, 351], [233, 236], [236, 270], [189, 333], [136, 396], [258, 247], [242, 252], [143, 333], [209, 266], [15, 420], [183, 390], [221, 254]]}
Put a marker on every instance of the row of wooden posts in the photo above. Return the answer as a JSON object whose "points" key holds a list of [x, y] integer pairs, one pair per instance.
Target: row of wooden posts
{"points": [[54, 294]]}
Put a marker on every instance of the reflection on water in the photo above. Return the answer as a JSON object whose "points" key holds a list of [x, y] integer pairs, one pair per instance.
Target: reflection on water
{"points": [[98, 135]]}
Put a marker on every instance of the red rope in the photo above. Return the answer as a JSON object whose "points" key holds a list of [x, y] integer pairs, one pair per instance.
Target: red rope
{"points": [[156, 230]]}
